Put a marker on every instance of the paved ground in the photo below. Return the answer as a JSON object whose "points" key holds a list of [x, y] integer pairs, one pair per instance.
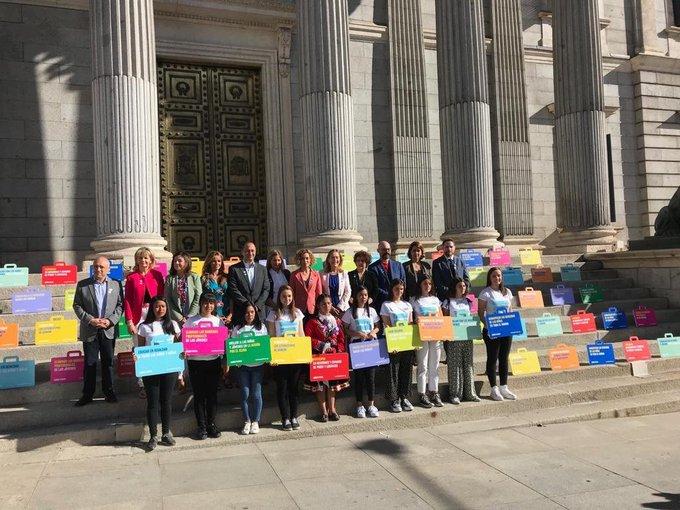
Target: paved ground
{"points": [[618, 464]]}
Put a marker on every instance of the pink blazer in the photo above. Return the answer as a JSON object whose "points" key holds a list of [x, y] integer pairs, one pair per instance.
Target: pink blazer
{"points": [[344, 288], [305, 297], [136, 287]]}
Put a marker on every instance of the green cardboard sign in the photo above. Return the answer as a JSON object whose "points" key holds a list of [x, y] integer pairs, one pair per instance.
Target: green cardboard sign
{"points": [[248, 350]]}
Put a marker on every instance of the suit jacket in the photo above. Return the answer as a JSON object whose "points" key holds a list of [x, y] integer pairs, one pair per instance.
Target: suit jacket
{"points": [[384, 279], [344, 288], [445, 271], [413, 279], [242, 292], [370, 282], [136, 287], [85, 307], [305, 297], [194, 291], [286, 273]]}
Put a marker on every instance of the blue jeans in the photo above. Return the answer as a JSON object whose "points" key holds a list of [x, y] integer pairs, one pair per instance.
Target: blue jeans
{"points": [[250, 379]]}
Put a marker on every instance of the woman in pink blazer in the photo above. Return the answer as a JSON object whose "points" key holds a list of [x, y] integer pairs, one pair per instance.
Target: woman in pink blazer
{"points": [[141, 286], [335, 282], [305, 282]]}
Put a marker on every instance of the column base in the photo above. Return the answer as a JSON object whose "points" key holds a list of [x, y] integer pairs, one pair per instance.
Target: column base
{"points": [[401, 245], [348, 241], [482, 238], [516, 243], [588, 240], [123, 248]]}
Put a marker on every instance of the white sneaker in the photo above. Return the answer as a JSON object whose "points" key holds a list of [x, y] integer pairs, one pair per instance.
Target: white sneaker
{"points": [[507, 394], [361, 412], [373, 412], [254, 428], [246, 428], [496, 394]]}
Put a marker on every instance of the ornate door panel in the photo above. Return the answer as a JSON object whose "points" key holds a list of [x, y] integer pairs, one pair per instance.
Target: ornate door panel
{"points": [[212, 167]]}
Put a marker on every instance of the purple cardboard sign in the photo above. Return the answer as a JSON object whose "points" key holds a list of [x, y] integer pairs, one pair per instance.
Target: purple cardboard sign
{"points": [[371, 353], [32, 300]]}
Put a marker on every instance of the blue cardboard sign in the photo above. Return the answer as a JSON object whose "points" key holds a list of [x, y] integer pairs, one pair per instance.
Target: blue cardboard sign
{"points": [[503, 323], [370, 353], [13, 276], [601, 353], [466, 326], [561, 295], [570, 273], [614, 318], [472, 258], [512, 276], [116, 271], [523, 335], [32, 300], [160, 339], [16, 374], [158, 359]]}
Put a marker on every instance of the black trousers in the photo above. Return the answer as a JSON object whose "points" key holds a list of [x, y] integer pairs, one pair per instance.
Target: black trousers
{"points": [[497, 350], [364, 382], [99, 347], [287, 389], [399, 376], [159, 397], [205, 377]]}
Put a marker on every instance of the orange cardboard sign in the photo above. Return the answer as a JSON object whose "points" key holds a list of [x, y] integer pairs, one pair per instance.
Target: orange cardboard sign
{"points": [[435, 328], [530, 298], [9, 334], [563, 357]]}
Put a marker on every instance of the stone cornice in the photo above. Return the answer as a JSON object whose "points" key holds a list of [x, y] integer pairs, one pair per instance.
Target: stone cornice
{"points": [[655, 63]]}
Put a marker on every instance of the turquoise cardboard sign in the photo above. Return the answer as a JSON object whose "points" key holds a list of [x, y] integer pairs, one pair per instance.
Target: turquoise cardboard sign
{"points": [[466, 326], [16, 374], [549, 325], [158, 359], [13, 276], [570, 273], [512, 276], [669, 346]]}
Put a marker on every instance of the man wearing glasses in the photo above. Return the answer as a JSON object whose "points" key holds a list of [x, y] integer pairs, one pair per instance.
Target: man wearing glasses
{"points": [[447, 269]]}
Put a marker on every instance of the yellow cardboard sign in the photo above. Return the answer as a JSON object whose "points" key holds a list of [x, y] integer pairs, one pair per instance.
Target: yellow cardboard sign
{"points": [[290, 350], [523, 362], [196, 265], [529, 257], [477, 276], [56, 330], [402, 338], [432, 329], [69, 296]]}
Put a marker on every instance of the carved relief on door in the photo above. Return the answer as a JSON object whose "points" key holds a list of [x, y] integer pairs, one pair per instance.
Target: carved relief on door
{"points": [[212, 165]]}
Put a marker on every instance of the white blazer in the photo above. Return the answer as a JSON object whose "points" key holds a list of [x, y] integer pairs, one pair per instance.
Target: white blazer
{"points": [[344, 288]]}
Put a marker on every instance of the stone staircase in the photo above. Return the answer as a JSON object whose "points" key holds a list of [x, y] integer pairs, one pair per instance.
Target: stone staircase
{"points": [[44, 415]]}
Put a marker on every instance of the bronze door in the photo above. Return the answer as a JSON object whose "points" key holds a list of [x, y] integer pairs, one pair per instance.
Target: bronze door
{"points": [[211, 158]]}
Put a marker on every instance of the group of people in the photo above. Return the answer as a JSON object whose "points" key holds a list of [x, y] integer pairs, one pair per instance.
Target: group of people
{"points": [[334, 308]]}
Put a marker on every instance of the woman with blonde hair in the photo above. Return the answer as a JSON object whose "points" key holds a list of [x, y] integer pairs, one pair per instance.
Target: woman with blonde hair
{"points": [[305, 282], [214, 280], [335, 282]]}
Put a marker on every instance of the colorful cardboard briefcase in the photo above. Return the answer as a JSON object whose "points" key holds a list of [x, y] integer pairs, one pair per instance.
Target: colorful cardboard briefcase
{"points": [[530, 257], [583, 322], [466, 326], [563, 357], [471, 258], [644, 317], [499, 256], [541, 275], [125, 364], [669, 346], [549, 325], [67, 369], [116, 271], [56, 330], [204, 339], [477, 277], [196, 266], [402, 337], [561, 295], [122, 328], [69, 297], [13, 276], [59, 274], [570, 273], [248, 349], [32, 300], [15, 373], [524, 362], [290, 350], [530, 298], [591, 293], [512, 276], [159, 359], [614, 318], [601, 353], [435, 328], [636, 349], [369, 353], [9, 334], [329, 367], [433, 256], [474, 302], [227, 263], [503, 323]]}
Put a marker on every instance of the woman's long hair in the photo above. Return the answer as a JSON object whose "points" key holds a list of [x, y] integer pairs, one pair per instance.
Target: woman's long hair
{"points": [[393, 285], [205, 272], [280, 309], [317, 303], [355, 299], [327, 265], [501, 287], [257, 322], [166, 321], [187, 259]]}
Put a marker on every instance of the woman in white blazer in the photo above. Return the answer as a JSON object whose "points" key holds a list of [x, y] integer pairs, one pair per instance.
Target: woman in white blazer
{"points": [[335, 282]]}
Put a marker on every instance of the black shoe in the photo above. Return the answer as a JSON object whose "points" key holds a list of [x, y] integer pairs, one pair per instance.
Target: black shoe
{"points": [[323, 418], [334, 417], [200, 435], [83, 401], [295, 423], [425, 401], [437, 400], [111, 398], [213, 432], [168, 440], [151, 445], [286, 425]]}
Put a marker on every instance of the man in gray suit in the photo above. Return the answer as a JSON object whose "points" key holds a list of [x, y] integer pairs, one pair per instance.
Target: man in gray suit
{"points": [[248, 282], [98, 304]]}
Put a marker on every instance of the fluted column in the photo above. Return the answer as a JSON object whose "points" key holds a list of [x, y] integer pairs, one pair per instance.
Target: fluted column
{"points": [[465, 123], [125, 122], [410, 137], [510, 126], [581, 166], [327, 125]]}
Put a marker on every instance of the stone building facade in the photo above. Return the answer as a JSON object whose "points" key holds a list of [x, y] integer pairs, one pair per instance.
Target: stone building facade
{"points": [[333, 122]]}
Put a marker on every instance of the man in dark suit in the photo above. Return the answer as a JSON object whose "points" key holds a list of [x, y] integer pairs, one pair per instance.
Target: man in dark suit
{"points": [[385, 269], [98, 304], [448, 268], [248, 283]]}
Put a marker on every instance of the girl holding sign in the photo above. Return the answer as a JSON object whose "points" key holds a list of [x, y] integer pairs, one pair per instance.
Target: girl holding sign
{"points": [[459, 361], [250, 376], [363, 324], [158, 387], [425, 304], [493, 297], [327, 336], [394, 311], [286, 318]]}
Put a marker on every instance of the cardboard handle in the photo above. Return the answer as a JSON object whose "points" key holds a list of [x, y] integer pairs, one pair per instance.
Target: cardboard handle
{"points": [[74, 354], [613, 309], [9, 266], [246, 333], [55, 318], [401, 323], [547, 314], [668, 335], [60, 263], [233, 259], [204, 324], [290, 333], [569, 265], [9, 359], [560, 286], [633, 339], [564, 346], [581, 312], [522, 349], [2, 322], [599, 342], [528, 289]]}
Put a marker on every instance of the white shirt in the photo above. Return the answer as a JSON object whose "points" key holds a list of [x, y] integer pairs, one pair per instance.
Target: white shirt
{"points": [[457, 305], [428, 305], [214, 321], [363, 323], [154, 329], [250, 271], [285, 318], [278, 281], [397, 311], [494, 299]]}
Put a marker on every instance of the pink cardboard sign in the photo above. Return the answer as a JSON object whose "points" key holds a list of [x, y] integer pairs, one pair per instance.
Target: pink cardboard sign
{"points": [[67, 369], [204, 339], [499, 257], [162, 267], [474, 305], [644, 317]]}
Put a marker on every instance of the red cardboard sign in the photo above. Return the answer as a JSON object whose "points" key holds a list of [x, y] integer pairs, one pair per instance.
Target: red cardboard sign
{"points": [[125, 364], [59, 274], [329, 367], [583, 322], [636, 349]]}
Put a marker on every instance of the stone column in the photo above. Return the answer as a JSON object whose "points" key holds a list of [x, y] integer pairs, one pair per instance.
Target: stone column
{"points": [[410, 136], [581, 166], [465, 123], [125, 122], [327, 126], [510, 126]]}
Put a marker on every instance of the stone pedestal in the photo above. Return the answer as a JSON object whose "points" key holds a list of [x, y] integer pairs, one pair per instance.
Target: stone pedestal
{"points": [[125, 123], [327, 126], [465, 124]]}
